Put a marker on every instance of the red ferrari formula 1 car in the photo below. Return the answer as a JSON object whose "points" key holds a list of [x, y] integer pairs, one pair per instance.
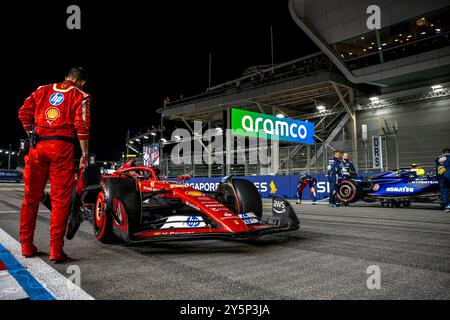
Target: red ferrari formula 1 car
{"points": [[133, 204]]}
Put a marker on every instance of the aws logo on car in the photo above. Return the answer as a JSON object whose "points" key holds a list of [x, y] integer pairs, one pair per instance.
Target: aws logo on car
{"points": [[279, 206]]}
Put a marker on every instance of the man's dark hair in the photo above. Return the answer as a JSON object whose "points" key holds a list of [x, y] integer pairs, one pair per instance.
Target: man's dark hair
{"points": [[337, 151], [446, 150], [78, 74]]}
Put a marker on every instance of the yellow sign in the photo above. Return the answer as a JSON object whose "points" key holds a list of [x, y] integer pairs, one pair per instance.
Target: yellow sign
{"points": [[194, 193], [273, 187]]}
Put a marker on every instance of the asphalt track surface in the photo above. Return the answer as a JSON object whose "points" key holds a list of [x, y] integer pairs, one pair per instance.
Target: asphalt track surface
{"points": [[326, 259]]}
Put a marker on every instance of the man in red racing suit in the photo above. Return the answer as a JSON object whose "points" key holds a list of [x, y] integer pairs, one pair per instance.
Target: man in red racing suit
{"points": [[57, 111]]}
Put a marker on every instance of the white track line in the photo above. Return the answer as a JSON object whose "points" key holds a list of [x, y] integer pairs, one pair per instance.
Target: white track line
{"points": [[56, 284]]}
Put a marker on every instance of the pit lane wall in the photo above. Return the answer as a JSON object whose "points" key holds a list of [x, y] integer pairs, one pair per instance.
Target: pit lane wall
{"points": [[283, 186], [10, 176]]}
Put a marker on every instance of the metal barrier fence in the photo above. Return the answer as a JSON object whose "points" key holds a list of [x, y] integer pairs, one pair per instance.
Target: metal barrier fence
{"points": [[397, 152]]}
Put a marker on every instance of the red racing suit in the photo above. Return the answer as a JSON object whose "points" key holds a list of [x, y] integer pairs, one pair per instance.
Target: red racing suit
{"points": [[306, 180], [57, 110]]}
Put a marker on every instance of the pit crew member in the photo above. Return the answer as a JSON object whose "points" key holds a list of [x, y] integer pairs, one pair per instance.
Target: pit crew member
{"points": [[347, 165], [306, 180], [334, 175], [56, 111], [443, 173]]}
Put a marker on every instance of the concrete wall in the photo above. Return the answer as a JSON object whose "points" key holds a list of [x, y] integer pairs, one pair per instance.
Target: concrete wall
{"points": [[327, 22], [338, 20], [423, 130]]}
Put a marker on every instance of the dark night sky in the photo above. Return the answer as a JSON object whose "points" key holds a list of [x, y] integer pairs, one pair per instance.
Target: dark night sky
{"points": [[136, 55]]}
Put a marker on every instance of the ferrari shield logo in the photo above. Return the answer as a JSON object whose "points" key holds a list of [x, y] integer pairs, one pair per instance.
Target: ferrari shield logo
{"points": [[51, 114]]}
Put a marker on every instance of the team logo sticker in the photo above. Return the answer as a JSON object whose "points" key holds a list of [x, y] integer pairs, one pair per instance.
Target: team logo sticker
{"points": [[56, 99], [193, 222], [51, 114], [194, 193]]}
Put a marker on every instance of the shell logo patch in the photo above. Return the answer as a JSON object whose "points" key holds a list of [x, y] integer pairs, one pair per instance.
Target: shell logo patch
{"points": [[51, 114]]}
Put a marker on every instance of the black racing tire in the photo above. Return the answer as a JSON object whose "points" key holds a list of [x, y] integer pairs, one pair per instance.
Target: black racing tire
{"points": [[240, 196], [102, 220], [348, 191]]}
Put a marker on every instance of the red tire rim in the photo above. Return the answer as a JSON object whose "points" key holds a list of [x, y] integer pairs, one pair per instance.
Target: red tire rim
{"points": [[346, 192], [100, 215]]}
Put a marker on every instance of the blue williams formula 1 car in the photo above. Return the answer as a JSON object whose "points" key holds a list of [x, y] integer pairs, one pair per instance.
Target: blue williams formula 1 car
{"points": [[392, 189]]}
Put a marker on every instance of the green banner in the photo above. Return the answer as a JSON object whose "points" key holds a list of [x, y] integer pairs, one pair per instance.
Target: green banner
{"points": [[260, 125]]}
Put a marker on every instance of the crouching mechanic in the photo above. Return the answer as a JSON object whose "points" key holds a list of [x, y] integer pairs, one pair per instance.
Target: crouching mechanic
{"points": [[56, 111], [334, 176], [306, 180], [443, 173]]}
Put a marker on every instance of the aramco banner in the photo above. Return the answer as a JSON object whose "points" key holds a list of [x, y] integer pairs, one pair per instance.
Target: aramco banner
{"points": [[260, 125]]}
